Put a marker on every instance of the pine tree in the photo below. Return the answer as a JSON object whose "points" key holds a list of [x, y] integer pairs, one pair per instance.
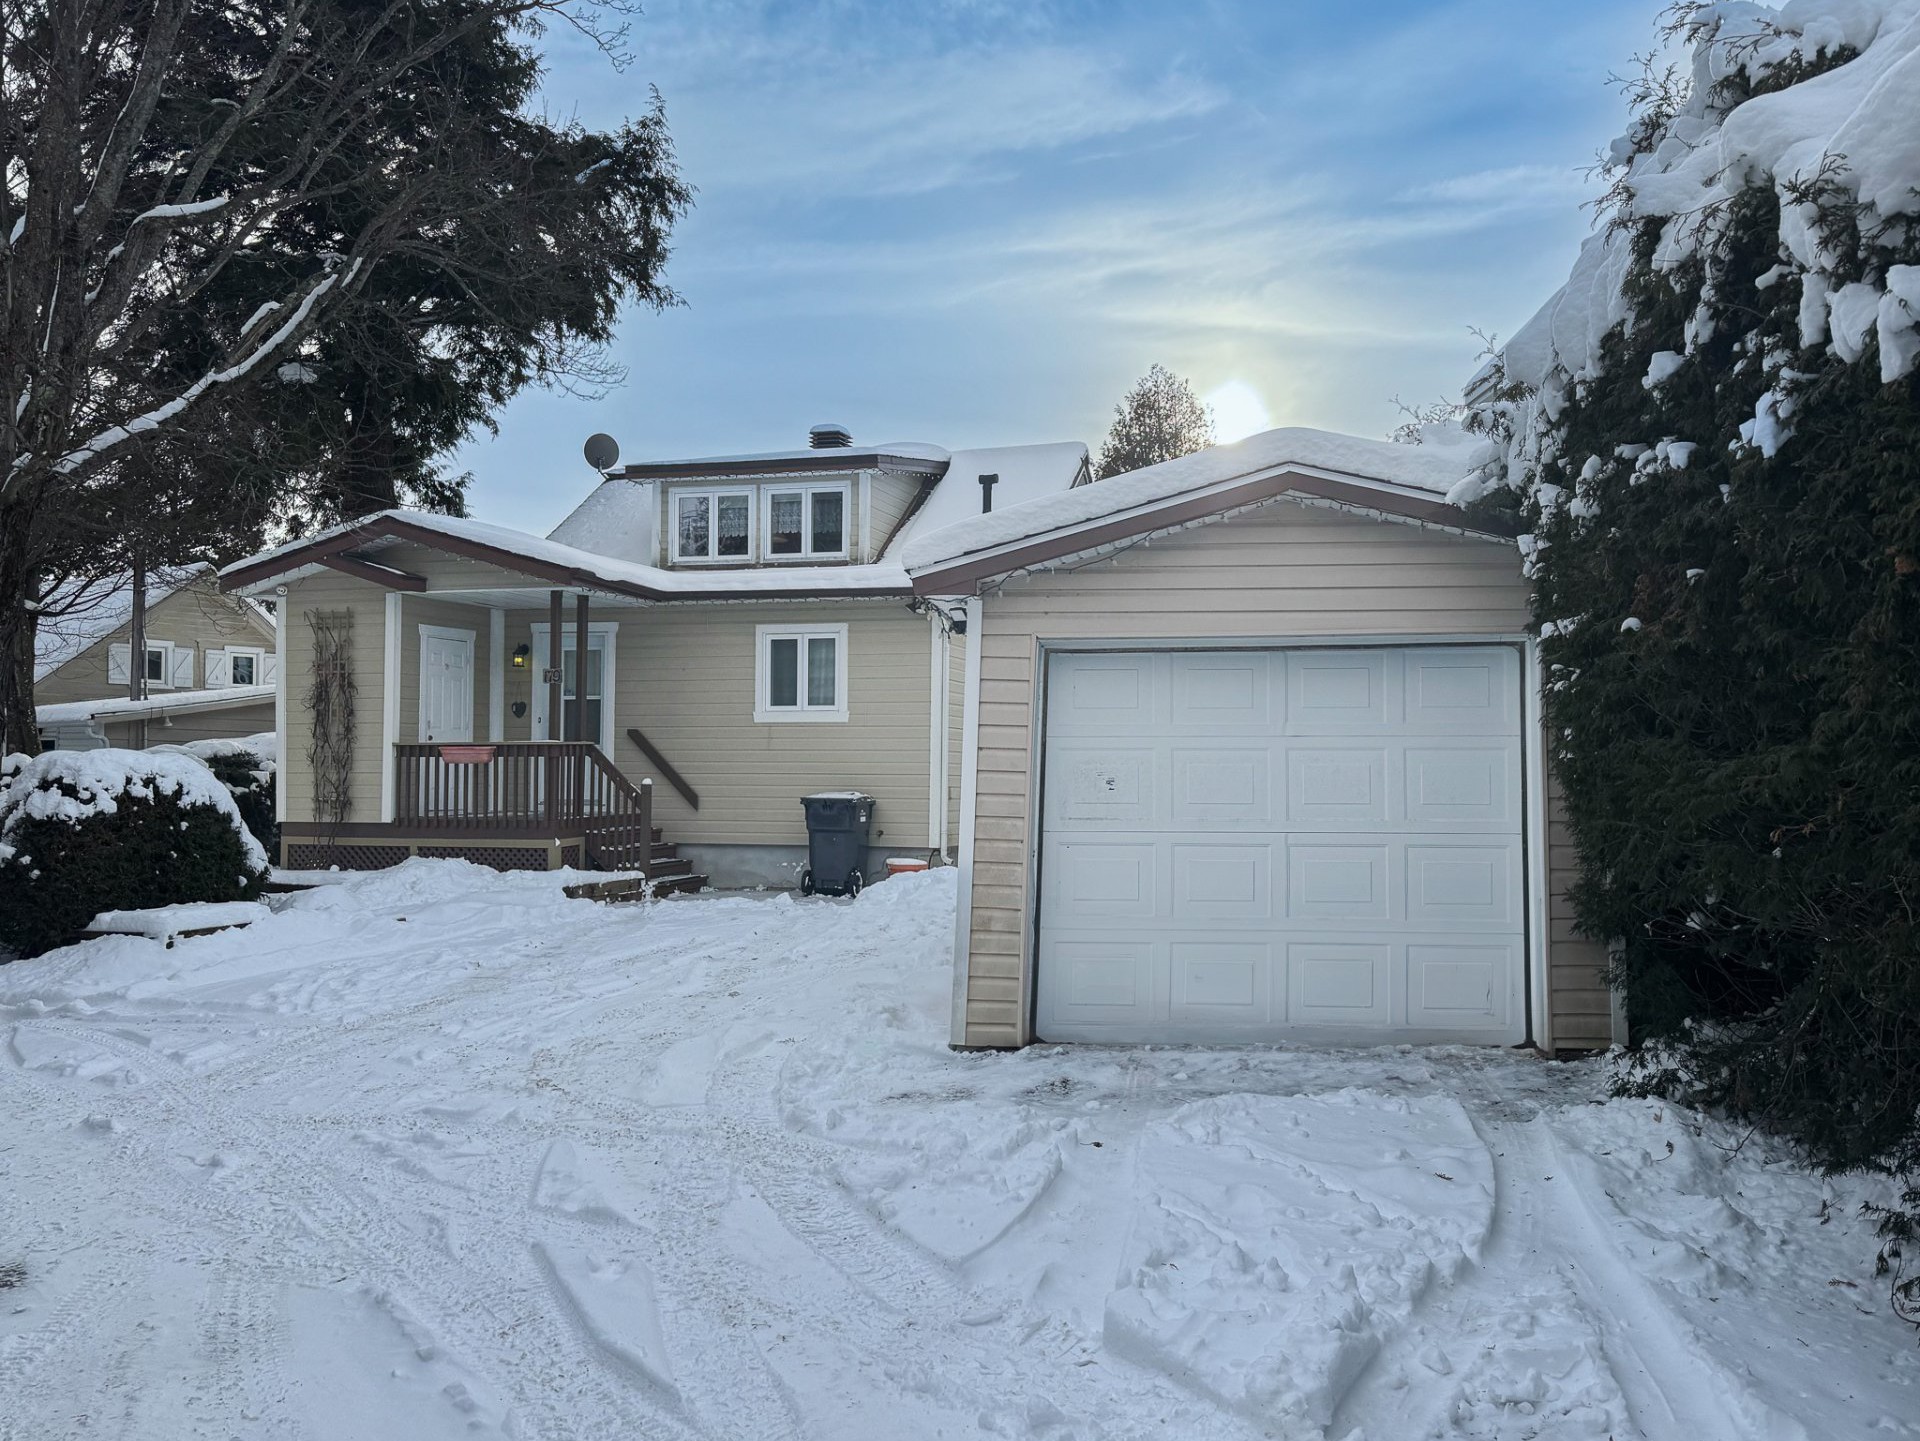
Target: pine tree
{"points": [[1159, 419]]}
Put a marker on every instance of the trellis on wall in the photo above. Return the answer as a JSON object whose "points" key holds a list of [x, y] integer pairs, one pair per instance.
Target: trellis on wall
{"points": [[330, 695]]}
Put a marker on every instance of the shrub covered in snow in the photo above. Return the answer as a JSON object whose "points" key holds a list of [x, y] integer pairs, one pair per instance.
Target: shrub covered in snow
{"points": [[87, 831], [246, 768], [1712, 434]]}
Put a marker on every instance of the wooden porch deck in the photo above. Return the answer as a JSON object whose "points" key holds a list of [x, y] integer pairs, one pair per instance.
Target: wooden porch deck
{"points": [[513, 805]]}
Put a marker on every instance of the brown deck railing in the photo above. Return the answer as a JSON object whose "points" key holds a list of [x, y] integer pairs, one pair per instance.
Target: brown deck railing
{"points": [[514, 788]]}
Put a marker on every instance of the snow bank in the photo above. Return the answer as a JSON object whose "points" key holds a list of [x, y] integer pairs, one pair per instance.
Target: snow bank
{"points": [[1431, 467], [163, 923], [72, 785]]}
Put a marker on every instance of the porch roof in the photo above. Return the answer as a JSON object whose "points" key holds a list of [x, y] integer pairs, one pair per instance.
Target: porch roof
{"points": [[352, 546]]}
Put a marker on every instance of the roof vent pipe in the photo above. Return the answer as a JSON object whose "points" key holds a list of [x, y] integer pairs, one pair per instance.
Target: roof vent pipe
{"points": [[987, 483], [828, 436]]}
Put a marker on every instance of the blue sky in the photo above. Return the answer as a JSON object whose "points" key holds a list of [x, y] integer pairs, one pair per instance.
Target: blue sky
{"points": [[975, 223]]}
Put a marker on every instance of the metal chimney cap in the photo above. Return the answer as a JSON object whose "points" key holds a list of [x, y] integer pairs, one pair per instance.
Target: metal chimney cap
{"points": [[829, 435]]}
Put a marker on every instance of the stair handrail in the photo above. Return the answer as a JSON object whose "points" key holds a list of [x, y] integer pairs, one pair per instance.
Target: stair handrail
{"points": [[629, 829], [664, 766]]}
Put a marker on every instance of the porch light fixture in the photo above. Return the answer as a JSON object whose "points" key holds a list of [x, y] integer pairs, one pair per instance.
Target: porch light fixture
{"points": [[520, 654]]}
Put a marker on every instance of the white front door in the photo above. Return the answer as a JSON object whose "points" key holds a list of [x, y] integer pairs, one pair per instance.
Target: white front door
{"points": [[446, 684], [1259, 845], [597, 721]]}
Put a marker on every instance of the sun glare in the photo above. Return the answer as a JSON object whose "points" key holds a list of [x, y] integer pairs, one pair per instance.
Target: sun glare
{"points": [[1238, 411]]}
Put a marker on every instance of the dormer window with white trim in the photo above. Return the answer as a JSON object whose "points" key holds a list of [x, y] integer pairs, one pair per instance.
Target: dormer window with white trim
{"points": [[712, 525], [807, 522]]}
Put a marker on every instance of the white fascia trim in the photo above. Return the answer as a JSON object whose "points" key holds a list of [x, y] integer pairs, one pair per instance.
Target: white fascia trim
{"points": [[866, 515], [969, 800], [497, 675], [280, 709], [390, 706], [1534, 759], [1147, 508]]}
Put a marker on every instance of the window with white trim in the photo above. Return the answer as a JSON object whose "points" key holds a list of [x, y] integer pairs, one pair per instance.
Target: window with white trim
{"points": [[159, 664], [245, 666], [800, 673], [710, 525], [807, 521]]}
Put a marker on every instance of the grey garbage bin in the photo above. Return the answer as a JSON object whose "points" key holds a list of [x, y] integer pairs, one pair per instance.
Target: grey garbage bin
{"points": [[837, 826]]}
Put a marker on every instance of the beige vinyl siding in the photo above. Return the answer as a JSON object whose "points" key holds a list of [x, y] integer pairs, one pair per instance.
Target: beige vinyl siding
{"points": [[367, 603], [1577, 966], [684, 675], [195, 616], [889, 497], [181, 730], [418, 610], [1283, 571]]}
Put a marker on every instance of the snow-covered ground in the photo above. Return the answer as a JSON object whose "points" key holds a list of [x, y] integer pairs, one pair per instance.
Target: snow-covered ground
{"points": [[440, 1153]]}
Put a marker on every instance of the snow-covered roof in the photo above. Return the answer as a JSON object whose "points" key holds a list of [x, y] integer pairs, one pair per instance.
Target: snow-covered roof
{"points": [[1427, 470], [906, 450], [616, 519], [173, 702], [1027, 472], [90, 613], [585, 567]]}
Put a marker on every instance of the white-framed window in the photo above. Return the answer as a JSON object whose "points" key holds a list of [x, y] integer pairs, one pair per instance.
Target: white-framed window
{"points": [[712, 525], [164, 666], [244, 667], [800, 673], [806, 522]]}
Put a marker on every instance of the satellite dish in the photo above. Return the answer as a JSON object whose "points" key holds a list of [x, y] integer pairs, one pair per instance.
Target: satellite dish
{"points": [[603, 452]]}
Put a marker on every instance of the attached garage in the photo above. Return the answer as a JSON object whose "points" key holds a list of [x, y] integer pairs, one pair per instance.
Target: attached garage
{"points": [[1251, 754], [1264, 845]]}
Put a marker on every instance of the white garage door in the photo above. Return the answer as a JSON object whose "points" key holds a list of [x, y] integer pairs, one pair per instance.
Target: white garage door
{"points": [[1255, 845]]}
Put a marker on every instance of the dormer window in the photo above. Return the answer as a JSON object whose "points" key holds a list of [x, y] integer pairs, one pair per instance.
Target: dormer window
{"points": [[807, 521], [713, 525]]}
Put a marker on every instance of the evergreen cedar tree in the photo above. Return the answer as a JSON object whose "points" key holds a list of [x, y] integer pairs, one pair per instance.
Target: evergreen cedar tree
{"points": [[260, 268], [147, 851], [1159, 419], [1742, 769]]}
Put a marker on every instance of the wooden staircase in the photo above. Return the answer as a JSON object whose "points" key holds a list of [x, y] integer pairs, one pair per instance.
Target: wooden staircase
{"points": [[671, 873]]}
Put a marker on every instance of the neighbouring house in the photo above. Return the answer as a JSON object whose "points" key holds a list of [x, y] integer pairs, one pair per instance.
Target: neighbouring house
{"points": [[1252, 751], [209, 659], [653, 686]]}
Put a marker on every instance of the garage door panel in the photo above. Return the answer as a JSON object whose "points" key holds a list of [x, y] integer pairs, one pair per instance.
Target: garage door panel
{"points": [[1471, 692], [1100, 982], [1092, 784], [1339, 983], [1223, 883], [1460, 987], [1091, 880], [1464, 785], [1248, 845], [1455, 885], [1338, 881], [1222, 983], [1111, 694], [1220, 693], [1340, 692], [1218, 787], [1331, 785]]}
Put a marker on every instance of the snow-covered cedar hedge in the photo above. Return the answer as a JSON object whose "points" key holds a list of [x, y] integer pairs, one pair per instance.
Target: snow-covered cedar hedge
{"points": [[87, 831], [1712, 436], [246, 767]]}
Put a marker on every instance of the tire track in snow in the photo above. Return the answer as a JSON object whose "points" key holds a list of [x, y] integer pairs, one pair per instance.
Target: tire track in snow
{"points": [[311, 1210]]}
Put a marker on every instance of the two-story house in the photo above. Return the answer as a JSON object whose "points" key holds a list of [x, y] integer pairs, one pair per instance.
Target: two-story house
{"points": [[693, 649], [209, 661]]}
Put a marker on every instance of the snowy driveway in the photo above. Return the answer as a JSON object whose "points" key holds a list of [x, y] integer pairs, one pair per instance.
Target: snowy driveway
{"points": [[439, 1153]]}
